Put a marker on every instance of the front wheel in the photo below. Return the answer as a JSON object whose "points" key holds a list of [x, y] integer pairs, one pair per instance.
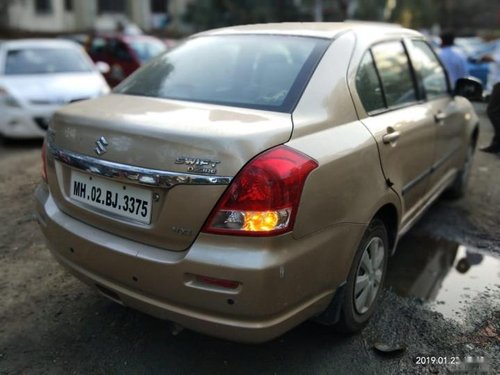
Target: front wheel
{"points": [[366, 279]]}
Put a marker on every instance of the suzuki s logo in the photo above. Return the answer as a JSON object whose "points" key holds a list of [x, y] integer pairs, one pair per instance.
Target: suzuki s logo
{"points": [[101, 146]]}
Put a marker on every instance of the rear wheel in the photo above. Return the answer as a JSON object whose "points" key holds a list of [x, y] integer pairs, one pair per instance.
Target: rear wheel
{"points": [[365, 279]]}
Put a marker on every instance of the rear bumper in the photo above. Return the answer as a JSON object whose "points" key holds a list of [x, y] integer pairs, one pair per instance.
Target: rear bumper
{"points": [[283, 281]]}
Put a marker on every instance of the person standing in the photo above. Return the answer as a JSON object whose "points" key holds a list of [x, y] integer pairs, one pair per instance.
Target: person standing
{"points": [[493, 109], [453, 60]]}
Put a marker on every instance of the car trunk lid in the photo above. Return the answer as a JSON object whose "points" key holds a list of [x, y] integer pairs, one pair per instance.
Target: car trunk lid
{"points": [[179, 155]]}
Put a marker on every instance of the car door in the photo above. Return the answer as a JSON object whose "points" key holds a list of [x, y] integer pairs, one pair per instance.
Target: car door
{"points": [[399, 121], [100, 51], [449, 120], [123, 62]]}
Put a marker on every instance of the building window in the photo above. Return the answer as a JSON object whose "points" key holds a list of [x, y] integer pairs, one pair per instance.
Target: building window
{"points": [[111, 6], [43, 6], [159, 6], [68, 5]]}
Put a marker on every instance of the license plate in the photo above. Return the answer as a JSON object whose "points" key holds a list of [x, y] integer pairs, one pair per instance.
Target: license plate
{"points": [[112, 197]]}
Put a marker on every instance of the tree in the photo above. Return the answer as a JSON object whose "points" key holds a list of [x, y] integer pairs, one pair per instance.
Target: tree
{"points": [[208, 14], [465, 16], [370, 10], [415, 13]]}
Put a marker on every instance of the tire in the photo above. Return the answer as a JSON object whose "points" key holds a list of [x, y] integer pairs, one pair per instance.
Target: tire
{"points": [[459, 187], [368, 269]]}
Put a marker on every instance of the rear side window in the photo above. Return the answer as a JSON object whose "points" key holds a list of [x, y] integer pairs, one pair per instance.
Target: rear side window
{"points": [[119, 50], [394, 70], [254, 71], [368, 85], [429, 70], [147, 49]]}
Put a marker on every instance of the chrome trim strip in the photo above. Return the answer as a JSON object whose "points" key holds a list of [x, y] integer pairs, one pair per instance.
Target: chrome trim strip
{"points": [[444, 159], [410, 185], [447, 180], [132, 174], [429, 171]]}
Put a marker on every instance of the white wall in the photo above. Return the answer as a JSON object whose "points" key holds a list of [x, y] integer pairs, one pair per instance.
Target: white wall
{"points": [[22, 16], [141, 13]]}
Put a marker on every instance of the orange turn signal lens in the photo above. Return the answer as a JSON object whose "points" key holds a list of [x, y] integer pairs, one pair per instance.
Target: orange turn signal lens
{"points": [[261, 221]]}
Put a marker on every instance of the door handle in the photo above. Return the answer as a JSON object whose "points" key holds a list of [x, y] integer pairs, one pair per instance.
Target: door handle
{"points": [[440, 117], [391, 136]]}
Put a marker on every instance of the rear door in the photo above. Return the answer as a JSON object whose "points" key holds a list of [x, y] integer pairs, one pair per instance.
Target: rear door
{"points": [[449, 121], [124, 62], [115, 53], [398, 120]]}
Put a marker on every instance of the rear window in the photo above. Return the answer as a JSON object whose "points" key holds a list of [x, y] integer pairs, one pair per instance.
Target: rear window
{"points": [[45, 61], [254, 71], [368, 85], [394, 70], [430, 70], [147, 49]]}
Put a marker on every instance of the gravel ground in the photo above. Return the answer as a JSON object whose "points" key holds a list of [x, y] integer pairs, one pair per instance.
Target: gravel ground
{"points": [[51, 323]]}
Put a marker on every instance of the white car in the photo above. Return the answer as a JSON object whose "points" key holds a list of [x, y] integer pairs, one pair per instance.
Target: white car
{"points": [[37, 77]]}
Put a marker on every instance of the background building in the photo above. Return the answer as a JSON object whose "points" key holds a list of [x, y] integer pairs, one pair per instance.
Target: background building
{"points": [[466, 17], [64, 16]]}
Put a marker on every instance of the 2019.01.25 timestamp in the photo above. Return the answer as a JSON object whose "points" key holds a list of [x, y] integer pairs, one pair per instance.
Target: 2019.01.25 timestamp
{"points": [[436, 360]]}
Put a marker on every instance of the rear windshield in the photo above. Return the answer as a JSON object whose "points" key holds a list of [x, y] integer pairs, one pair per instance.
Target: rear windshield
{"points": [[254, 71], [147, 49], [45, 61]]}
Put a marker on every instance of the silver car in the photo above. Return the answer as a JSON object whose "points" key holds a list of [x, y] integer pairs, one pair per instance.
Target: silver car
{"points": [[37, 77]]}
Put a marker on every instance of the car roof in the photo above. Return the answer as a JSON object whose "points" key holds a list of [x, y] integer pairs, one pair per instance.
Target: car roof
{"points": [[37, 43], [315, 29]]}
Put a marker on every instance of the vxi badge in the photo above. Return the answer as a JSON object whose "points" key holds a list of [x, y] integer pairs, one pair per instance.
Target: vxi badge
{"points": [[197, 165]]}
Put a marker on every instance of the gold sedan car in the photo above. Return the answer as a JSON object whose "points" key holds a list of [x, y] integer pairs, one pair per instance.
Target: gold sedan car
{"points": [[256, 176]]}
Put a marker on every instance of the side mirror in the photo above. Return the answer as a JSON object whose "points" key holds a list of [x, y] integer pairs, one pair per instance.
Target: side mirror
{"points": [[470, 88], [103, 67]]}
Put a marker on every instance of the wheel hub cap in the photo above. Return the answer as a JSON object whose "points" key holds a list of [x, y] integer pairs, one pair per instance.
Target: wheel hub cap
{"points": [[369, 275]]}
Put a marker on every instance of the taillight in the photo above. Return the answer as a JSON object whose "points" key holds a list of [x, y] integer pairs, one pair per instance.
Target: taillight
{"points": [[44, 161], [263, 198]]}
